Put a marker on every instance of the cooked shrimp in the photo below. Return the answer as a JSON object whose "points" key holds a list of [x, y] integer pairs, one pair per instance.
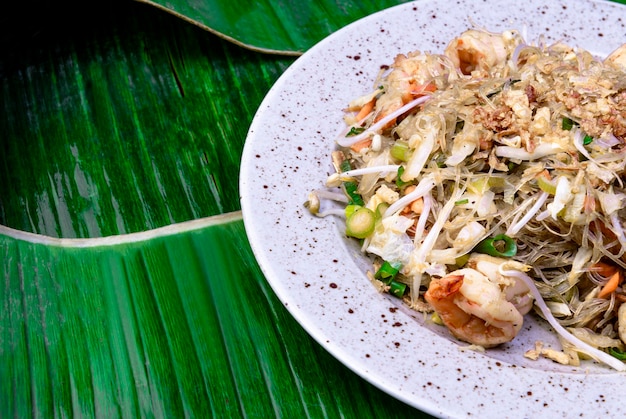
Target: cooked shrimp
{"points": [[479, 50], [514, 289], [411, 76], [474, 309]]}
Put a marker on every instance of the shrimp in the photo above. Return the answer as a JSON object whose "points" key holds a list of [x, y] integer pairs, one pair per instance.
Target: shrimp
{"points": [[474, 309], [411, 76], [479, 50], [515, 290]]}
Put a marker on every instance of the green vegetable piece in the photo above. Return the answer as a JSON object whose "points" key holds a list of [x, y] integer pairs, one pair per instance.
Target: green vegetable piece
{"points": [[397, 289], [360, 223], [388, 271], [345, 166], [354, 131], [350, 209], [567, 124], [380, 210], [399, 182], [354, 198], [546, 185], [499, 246], [621, 355], [462, 260], [400, 151], [461, 201], [587, 140]]}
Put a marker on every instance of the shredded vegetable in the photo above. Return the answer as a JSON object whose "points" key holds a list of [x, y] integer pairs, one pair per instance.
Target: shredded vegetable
{"points": [[487, 181]]}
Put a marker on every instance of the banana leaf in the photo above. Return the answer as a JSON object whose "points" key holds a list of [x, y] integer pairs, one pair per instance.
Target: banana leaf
{"points": [[133, 121], [287, 27], [170, 323]]}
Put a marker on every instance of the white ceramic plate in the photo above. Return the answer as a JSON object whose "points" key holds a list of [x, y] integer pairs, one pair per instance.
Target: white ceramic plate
{"points": [[319, 275]]}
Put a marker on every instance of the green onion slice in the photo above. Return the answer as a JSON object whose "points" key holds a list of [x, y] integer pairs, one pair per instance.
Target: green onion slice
{"points": [[397, 289], [388, 271], [400, 151], [499, 246], [354, 198], [360, 223], [621, 355], [567, 124], [399, 182], [354, 131], [546, 185], [380, 210]]}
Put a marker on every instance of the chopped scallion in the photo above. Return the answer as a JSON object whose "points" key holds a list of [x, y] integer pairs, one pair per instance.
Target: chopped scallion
{"points": [[400, 151], [546, 185], [567, 124], [345, 166], [355, 131], [360, 223], [499, 246], [380, 210], [462, 260], [354, 198], [387, 274], [387, 271], [399, 182], [397, 289], [621, 355], [350, 209], [353, 195]]}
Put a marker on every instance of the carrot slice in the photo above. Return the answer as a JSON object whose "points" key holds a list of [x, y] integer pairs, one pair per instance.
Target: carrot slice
{"points": [[366, 109], [603, 269], [611, 285], [360, 145]]}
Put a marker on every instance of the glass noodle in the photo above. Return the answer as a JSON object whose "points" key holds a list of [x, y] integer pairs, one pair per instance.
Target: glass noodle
{"points": [[487, 181]]}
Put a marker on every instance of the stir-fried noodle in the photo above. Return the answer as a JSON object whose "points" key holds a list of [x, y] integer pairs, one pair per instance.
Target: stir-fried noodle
{"points": [[488, 180]]}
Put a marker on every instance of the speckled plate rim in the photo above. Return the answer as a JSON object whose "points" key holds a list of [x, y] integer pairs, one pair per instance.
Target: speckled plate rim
{"points": [[319, 276]]}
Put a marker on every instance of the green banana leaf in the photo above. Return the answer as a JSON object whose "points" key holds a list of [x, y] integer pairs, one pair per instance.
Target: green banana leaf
{"points": [[176, 322], [127, 122], [121, 118], [134, 121], [286, 27]]}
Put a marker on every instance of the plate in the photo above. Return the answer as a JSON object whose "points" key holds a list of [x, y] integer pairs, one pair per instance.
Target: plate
{"points": [[320, 276]]}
